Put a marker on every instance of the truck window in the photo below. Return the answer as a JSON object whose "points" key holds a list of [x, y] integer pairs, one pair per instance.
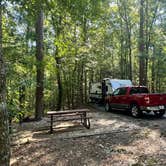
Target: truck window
{"points": [[143, 90], [120, 91], [133, 91], [116, 92], [138, 90]]}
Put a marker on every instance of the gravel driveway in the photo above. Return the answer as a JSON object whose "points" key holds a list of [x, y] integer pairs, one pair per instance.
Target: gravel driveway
{"points": [[115, 139]]}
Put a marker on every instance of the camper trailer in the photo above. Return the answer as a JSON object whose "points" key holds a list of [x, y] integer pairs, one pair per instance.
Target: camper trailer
{"points": [[98, 91]]}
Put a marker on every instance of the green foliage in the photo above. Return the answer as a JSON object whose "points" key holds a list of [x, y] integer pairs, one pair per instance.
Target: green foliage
{"points": [[91, 39]]}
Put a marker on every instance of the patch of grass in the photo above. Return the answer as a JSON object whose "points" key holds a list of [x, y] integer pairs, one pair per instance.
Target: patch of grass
{"points": [[163, 133], [137, 164], [151, 162], [143, 134], [146, 160]]}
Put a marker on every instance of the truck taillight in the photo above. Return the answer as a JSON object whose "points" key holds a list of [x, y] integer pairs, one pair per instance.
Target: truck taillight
{"points": [[147, 100]]}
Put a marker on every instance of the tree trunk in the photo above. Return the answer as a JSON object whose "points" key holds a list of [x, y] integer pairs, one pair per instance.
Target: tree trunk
{"points": [[147, 38], [80, 75], [60, 90], [126, 52], [128, 30], [142, 75], [4, 127], [86, 86], [39, 66], [21, 100], [121, 63], [82, 62], [148, 32], [58, 30], [153, 76]]}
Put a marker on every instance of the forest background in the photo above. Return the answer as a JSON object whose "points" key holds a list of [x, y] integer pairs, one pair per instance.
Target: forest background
{"points": [[54, 50]]}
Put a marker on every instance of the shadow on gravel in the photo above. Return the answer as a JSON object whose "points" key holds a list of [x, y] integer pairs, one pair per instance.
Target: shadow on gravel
{"points": [[145, 116], [112, 136], [147, 120]]}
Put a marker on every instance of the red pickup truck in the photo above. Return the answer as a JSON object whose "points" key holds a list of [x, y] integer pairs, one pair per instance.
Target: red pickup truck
{"points": [[136, 99]]}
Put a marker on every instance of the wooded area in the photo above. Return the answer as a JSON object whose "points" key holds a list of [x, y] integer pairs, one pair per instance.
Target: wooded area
{"points": [[52, 50]]}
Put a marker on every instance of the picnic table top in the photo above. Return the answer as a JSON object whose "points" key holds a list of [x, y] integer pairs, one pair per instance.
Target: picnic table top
{"points": [[67, 111]]}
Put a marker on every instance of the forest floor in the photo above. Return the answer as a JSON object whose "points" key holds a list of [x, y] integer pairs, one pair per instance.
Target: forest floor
{"points": [[114, 139]]}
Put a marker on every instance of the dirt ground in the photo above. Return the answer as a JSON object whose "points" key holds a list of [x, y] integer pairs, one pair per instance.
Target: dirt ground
{"points": [[114, 139]]}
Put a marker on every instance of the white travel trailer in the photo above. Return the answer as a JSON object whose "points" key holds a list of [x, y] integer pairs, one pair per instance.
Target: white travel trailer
{"points": [[95, 92], [99, 90]]}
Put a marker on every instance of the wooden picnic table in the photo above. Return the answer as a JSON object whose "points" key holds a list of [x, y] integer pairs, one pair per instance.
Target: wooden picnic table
{"points": [[69, 115]]}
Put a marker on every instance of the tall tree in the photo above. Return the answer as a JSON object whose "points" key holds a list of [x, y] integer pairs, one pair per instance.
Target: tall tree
{"points": [[57, 26], [142, 72], [4, 129], [39, 64], [126, 45]]}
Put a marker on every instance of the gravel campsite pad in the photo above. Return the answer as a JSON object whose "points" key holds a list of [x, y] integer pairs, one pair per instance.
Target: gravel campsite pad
{"points": [[115, 139]]}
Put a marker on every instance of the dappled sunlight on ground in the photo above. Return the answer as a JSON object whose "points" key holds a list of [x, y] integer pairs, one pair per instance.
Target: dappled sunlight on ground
{"points": [[105, 122], [113, 139]]}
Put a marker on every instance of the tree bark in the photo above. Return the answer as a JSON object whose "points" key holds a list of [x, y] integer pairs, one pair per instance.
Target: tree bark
{"points": [[81, 73], [142, 75], [21, 100], [128, 31], [58, 29], [4, 126], [83, 60], [39, 111], [153, 72], [148, 33], [60, 88], [86, 86], [126, 51]]}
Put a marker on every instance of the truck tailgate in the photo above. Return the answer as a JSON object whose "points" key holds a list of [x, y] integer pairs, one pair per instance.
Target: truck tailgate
{"points": [[157, 99]]}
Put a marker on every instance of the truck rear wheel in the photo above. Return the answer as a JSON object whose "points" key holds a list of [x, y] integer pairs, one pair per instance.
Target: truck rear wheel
{"points": [[159, 113], [135, 111]]}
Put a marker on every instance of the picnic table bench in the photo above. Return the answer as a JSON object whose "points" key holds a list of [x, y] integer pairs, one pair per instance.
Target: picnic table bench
{"points": [[69, 115]]}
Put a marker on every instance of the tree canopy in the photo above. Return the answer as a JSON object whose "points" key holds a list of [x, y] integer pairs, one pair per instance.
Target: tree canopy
{"points": [[83, 42]]}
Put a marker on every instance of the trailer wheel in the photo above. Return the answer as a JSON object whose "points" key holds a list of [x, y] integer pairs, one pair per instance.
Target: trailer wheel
{"points": [[107, 107], [159, 113], [135, 111]]}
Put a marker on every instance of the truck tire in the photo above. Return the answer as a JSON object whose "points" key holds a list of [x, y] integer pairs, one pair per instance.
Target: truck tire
{"points": [[159, 113], [107, 107], [135, 111]]}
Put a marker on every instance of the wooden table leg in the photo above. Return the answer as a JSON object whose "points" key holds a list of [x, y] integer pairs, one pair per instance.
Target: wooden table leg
{"points": [[84, 118], [51, 125], [86, 121]]}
